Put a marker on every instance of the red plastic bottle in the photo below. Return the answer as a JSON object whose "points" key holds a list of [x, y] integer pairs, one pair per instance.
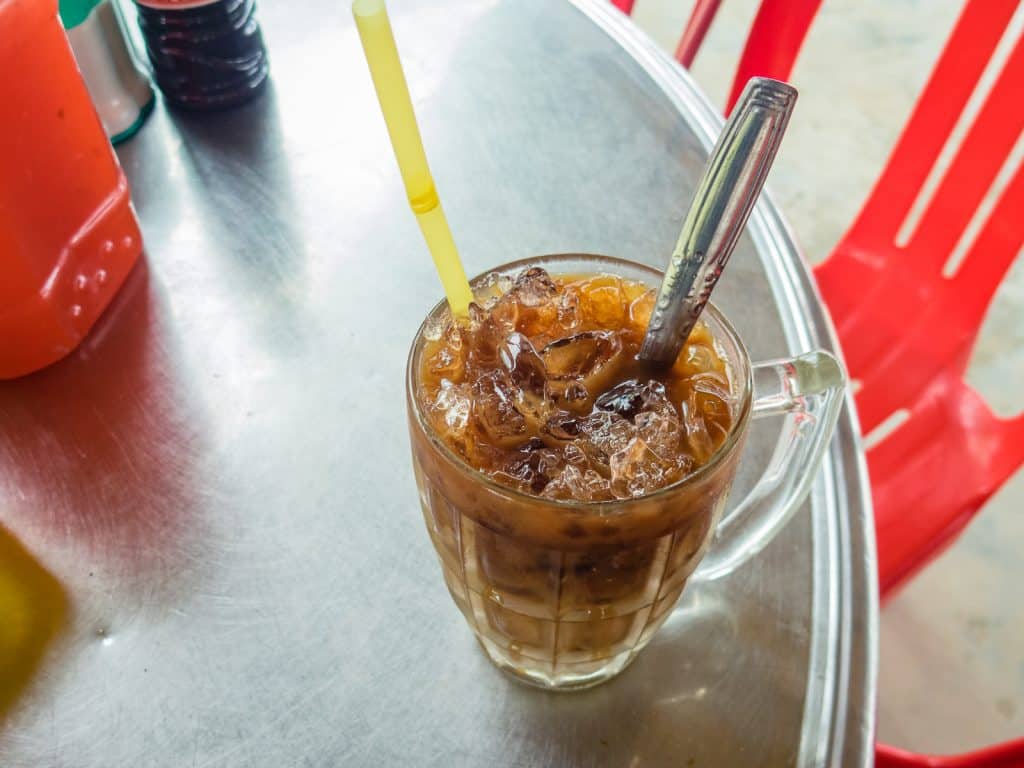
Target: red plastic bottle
{"points": [[68, 234]]}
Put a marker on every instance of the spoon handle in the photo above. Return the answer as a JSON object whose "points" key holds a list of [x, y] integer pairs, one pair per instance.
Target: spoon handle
{"points": [[725, 196]]}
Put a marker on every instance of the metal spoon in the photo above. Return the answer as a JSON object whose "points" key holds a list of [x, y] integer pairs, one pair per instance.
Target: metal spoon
{"points": [[725, 196]]}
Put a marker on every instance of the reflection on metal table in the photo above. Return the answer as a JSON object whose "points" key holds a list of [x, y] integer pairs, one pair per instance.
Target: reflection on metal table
{"points": [[218, 480]]}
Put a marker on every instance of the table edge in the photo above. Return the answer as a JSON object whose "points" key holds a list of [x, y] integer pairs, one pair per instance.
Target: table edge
{"points": [[845, 594]]}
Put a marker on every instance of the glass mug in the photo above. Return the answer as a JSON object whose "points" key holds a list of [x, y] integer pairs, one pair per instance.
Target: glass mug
{"points": [[564, 594]]}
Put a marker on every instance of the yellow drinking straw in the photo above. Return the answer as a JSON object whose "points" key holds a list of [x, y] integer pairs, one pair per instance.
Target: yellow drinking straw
{"points": [[389, 80]]}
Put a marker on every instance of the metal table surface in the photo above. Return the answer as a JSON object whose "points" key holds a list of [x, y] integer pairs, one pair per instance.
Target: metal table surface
{"points": [[218, 480]]}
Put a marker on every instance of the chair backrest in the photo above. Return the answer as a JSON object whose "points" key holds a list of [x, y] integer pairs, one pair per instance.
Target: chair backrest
{"points": [[909, 284], [904, 311]]}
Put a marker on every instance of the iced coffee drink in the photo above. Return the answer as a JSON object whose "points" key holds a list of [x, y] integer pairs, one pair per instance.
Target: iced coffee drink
{"points": [[569, 489]]}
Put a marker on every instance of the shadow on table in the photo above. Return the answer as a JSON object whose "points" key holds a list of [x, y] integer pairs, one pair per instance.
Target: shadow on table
{"points": [[33, 610], [100, 454], [247, 201]]}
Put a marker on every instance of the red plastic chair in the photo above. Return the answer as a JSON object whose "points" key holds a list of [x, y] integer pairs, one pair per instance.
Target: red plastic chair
{"points": [[906, 329]]}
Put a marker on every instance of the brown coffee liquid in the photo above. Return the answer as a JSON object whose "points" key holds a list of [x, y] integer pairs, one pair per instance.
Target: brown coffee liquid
{"points": [[541, 389]]}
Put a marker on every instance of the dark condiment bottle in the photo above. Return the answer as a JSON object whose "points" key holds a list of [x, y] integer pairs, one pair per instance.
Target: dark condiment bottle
{"points": [[206, 54]]}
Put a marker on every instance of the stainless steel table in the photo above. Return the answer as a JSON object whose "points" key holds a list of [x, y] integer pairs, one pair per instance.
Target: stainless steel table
{"points": [[218, 479]]}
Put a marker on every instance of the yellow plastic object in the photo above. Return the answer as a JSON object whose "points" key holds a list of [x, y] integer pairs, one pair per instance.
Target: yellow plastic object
{"points": [[32, 610], [389, 80]]}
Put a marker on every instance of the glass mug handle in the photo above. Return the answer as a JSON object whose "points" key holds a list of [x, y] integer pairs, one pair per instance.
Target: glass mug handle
{"points": [[808, 390]]}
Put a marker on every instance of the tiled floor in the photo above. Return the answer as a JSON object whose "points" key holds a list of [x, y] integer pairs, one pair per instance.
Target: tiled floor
{"points": [[952, 661]]}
